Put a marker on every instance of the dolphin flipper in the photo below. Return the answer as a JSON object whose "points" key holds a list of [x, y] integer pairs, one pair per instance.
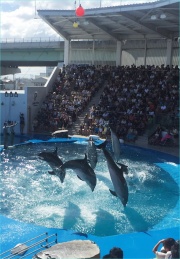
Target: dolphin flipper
{"points": [[102, 145], [113, 192], [51, 172], [124, 168], [61, 175], [80, 178]]}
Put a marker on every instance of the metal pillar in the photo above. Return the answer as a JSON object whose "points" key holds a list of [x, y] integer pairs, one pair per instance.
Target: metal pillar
{"points": [[66, 52], [93, 53], [118, 53], [145, 52], [169, 53]]}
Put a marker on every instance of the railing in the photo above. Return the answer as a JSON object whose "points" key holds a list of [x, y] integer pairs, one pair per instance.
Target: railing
{"points": [[34, 39], [31, 247]]}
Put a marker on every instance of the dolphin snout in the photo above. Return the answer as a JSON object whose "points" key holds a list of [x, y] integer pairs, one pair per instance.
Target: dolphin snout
{"points": [[92, 188], [93, 184]]}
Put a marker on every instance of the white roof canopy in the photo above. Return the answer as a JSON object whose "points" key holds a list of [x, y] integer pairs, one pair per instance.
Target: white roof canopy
{"points": [[155, 20]]}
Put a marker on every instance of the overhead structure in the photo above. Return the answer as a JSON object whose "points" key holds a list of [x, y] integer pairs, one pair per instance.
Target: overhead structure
{"points": [[155, 20]]}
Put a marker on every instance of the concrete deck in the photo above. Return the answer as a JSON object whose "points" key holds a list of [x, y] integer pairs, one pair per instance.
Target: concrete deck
{"points": [[142, 141]]}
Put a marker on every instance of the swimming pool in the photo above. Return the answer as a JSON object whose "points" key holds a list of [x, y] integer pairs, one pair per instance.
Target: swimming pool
{"points": [[31, 195]]}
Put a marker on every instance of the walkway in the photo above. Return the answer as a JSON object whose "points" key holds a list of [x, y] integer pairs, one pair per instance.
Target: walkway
{"points": [[80, 120], [142, 141]]}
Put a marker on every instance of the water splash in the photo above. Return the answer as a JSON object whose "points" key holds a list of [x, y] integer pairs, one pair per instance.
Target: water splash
{"points": [[30, 194]]}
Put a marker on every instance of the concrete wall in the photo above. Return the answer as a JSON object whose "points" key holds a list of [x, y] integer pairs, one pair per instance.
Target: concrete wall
{"points": [[12, 106], [28, 102], [104, 52]]}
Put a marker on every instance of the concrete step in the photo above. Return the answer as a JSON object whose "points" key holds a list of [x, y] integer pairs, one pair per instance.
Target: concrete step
{"points": [[80, 120]]}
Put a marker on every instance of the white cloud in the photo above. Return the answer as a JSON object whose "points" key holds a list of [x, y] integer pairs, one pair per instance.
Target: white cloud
{"points": [[17, 16], [18, 19], [20, 23]]}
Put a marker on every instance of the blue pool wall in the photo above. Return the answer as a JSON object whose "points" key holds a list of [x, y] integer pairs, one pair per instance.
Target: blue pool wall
{"points": [[134, 245]]}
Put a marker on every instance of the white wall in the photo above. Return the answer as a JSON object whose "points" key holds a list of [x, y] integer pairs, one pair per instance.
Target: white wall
{"points": [[28, 102], [11, 107]]}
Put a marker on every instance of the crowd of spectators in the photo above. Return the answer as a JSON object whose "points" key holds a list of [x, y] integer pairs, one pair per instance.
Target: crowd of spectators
{"points": [[131, 99], [72, 91]]}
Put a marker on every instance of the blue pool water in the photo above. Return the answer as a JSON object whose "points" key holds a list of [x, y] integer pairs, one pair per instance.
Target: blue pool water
{"points": [[31, 195], [33, 202]]}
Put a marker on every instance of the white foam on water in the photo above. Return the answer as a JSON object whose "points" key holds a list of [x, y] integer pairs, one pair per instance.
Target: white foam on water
{"points": [[29, 193]]}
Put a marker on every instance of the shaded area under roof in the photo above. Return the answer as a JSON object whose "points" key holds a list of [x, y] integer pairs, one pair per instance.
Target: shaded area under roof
{"points": [[155, 20]]}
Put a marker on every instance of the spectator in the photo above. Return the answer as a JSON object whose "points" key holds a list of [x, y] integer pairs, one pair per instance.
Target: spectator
{"points": [[175, 250], [22, 123], [115, 252], [12, 132], [5, 135], [167, 244]]}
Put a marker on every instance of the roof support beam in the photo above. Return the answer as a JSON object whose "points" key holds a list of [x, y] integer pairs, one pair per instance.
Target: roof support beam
{"points": [[103, 28], [148, 26]]}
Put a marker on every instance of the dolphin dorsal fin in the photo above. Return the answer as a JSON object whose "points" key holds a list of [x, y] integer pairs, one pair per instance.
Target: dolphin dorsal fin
{"points": [[85, 157]]}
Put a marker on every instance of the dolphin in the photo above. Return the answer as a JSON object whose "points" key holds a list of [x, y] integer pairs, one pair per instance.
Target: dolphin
{"points": [[117, 177], [115, 144], [83, 171], [54, 162], [92, 153], [124, 168]]}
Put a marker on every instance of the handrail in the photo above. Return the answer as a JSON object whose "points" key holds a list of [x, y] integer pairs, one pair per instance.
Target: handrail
{"points": [[25, 242], [34, 39], [31, 246], [35, 250]]}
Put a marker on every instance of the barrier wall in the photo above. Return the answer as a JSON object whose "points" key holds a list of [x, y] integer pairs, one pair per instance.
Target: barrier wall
{"points": [[27, 101]]}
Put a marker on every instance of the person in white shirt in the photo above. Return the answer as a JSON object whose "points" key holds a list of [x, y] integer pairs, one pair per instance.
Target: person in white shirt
{"points": [[165, 253]]}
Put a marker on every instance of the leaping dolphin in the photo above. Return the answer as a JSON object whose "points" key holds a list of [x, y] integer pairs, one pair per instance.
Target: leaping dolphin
{"points": [[54, 162], [117, 177], [92, 153], [115, 144], [83, 171]]}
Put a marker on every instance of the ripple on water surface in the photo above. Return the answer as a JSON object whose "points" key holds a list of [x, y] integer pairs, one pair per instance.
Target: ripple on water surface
{"points": [[30, 194]]}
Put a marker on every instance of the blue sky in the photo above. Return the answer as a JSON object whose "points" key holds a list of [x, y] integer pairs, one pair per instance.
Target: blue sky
{"points": [[18, 18]]}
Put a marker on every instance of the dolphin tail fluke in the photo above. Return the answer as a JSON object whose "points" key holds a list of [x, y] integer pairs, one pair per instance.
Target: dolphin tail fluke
{"points": [[113, 192], [102, 145]]}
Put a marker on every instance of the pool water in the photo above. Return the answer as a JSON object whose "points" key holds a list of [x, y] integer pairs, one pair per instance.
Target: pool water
{"points": [[30, 194]]}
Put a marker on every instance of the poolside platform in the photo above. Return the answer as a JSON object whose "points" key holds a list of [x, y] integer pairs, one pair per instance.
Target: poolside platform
{"points": [[135, 245]]}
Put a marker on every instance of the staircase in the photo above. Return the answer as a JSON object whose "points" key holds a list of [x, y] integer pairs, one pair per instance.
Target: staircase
{"points": [[74, 130]]}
